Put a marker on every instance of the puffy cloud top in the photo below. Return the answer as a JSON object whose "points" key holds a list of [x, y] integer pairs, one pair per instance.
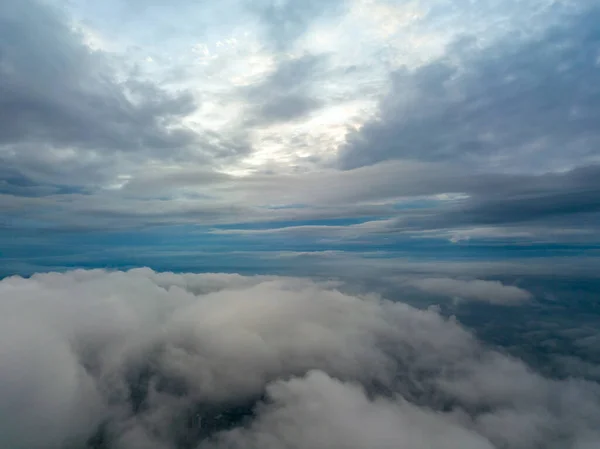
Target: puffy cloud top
{"points": [[139, 359]]}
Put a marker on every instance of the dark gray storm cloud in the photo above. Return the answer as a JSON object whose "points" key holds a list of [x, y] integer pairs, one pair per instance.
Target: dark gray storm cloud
{"points": [[138, 359], [524, 103]]}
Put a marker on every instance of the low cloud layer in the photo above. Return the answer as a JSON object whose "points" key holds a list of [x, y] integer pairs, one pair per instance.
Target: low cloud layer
{"points": [[494, 292], [139, 359]]}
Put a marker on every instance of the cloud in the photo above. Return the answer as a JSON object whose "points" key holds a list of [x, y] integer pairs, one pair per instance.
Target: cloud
{"points": [[144, 359], [516, 104], [494, 292], [92, 142], [400, 198], [56, 89], [397, 208], [285, 94], [69, 108], [285, 21], [342, 415]]}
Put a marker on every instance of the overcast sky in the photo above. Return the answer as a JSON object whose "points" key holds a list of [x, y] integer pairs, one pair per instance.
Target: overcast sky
{"points": [[131, 126]]}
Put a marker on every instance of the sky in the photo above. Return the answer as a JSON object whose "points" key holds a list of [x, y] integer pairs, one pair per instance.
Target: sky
{"points": [[153, 133], [381, 211]]}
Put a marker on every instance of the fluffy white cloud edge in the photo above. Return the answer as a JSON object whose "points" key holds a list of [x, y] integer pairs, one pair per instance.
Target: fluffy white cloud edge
{"points": [[494, 292], [134, 357]]}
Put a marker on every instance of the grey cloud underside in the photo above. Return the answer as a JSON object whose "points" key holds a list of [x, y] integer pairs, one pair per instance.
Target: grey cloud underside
{"points": [[285, 94], [67, 108], [287, 107], [552, 200], [56, 89], [14, 183], [548, 202], [141, 359], [525, 103]]}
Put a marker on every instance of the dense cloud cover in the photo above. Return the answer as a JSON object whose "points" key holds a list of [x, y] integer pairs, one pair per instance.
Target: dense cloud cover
{"points": [[140, 359], [436, 153], [132, 114], [67, 106], [516, 105]]}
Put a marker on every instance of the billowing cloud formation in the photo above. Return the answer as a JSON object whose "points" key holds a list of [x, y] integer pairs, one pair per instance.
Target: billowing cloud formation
{"points": [[68, 106], [494, 292], [515, 105], [138, 359]]}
